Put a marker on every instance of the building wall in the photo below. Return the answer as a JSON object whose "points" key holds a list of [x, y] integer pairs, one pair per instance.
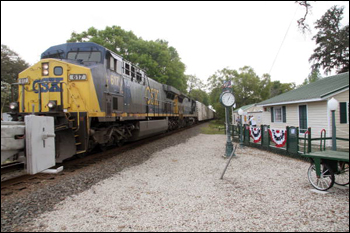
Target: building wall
{"points": [[256, 112], [342, 129], [318, 118]]}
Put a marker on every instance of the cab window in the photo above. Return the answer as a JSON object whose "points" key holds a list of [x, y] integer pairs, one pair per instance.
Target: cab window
{"points": [[92, 56]]}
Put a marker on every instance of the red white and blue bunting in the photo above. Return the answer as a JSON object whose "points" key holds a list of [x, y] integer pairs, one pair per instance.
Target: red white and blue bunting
{"points": [[278, 136], [255, 133]]}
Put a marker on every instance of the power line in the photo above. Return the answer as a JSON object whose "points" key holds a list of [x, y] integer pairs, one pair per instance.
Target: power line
{"points": [[283, 39]]}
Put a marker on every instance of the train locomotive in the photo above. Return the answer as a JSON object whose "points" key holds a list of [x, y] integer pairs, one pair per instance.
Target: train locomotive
{"points": [[99, 99]]}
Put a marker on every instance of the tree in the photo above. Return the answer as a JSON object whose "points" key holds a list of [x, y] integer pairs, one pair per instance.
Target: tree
{"points": [[248, 87], [265, 86], [193, 83], [332, 42], [313, 77], [200, 96], [303, 26], [278, 88], [11, 66], [160, 61], [215, 103]]}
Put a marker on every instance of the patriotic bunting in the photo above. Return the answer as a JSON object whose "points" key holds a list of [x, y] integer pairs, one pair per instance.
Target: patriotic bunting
{"points": [[255, 133], [279, 137]]}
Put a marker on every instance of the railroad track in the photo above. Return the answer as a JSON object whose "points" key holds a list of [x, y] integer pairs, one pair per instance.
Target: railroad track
{"points": [[9, 167], [24, 182]]}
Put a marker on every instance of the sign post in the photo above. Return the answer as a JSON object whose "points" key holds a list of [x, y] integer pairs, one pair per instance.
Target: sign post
{"points": [[227, 99]]}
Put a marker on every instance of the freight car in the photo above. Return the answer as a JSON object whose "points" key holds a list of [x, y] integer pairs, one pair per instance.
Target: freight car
{"points": [[99, 99]]}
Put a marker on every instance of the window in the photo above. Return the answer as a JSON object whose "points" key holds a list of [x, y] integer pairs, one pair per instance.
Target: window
{"points": [[59, 54], [138, 77], [278, 114], [85, 56], [58, 70], [302, 118], [111, 63], [119, 66], [132, 72], [344, 113], [127, 68]]}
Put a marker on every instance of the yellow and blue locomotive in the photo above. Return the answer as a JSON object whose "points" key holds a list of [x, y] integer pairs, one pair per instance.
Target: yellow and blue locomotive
{"points": [[97, 98]]}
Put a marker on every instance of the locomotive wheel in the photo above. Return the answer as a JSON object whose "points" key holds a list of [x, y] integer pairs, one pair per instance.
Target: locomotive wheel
{"points": [[325, 181], [342, 176]]}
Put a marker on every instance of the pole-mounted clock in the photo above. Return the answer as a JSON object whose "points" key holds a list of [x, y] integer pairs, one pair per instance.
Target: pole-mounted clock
{"points": [[227, 99]]}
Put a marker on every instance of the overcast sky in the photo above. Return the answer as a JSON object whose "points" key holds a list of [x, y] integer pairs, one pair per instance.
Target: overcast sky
{"points": [[208, 36]]}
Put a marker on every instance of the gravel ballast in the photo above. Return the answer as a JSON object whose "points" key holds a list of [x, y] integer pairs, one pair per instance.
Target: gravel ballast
{"points": [[178, 189]]}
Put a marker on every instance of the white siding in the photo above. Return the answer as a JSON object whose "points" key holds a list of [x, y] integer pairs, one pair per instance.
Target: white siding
{"points": [[256, 112], [318, 118], [342, 129]]}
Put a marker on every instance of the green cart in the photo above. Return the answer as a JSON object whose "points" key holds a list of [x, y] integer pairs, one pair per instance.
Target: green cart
{"points": [[327, 168]]}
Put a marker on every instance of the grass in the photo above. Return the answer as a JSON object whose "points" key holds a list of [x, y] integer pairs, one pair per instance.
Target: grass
{"points": [[213, 128]]}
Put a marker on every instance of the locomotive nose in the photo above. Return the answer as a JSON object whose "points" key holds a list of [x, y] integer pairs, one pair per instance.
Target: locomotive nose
{"points": [[41, 87]]}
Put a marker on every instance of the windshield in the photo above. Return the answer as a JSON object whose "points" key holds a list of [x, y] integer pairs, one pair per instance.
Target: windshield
{"points": [[85, 56], [58, 54]]}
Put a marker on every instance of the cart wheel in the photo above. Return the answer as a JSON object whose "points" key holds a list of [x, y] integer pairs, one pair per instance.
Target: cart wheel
{"points": [[325, 181], [342, 176]]}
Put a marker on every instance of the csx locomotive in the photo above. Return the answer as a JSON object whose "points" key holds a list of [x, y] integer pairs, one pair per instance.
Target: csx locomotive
{"points": [[99, 99]]}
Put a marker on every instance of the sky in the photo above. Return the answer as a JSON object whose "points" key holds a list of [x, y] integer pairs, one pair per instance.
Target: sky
{"points": [[209, 36]]}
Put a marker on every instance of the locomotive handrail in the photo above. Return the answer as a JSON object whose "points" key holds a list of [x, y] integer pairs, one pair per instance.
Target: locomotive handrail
{"points": [[12, 93], [78, 106]]}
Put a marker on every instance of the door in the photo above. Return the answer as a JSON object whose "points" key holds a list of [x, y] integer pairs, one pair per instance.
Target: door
{"points": [[302, 118]]}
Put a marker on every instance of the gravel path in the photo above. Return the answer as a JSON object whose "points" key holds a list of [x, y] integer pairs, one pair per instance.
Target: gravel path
{"points": [[18, 211], [178, 189]]}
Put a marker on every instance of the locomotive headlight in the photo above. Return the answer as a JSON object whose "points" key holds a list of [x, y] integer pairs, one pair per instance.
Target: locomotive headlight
{"points": [[45, 66], [52, 104], [45, 69], [45, 72], [13, 105]]}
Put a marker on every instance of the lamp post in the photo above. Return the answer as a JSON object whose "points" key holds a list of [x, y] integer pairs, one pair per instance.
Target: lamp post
{"points": [[240, 113], [333, 105]]}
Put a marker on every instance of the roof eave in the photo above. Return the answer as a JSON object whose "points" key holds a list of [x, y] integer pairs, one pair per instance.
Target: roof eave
{"points": [[323, 97], [291, 102]]}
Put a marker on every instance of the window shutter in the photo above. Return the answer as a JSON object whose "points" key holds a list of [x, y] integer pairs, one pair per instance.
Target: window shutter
{"points": [[272, 116], [343, 113], [284, 114]]}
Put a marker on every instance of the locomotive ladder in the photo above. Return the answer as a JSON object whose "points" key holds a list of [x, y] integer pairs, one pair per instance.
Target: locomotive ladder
{"points": [[76, 123], [78, 142]]}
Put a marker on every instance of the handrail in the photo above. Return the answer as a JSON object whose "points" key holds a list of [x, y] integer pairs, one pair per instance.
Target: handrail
{"points": [[78, 106], [307, 132], [323, 133]]}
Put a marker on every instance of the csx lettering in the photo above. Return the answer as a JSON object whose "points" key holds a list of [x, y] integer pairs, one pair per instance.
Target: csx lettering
{"points": [[45, 87], [154, 96]]}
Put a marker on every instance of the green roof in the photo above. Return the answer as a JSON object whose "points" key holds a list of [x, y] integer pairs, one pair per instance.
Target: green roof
{"points": [[314, 91], [244, 107]]}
